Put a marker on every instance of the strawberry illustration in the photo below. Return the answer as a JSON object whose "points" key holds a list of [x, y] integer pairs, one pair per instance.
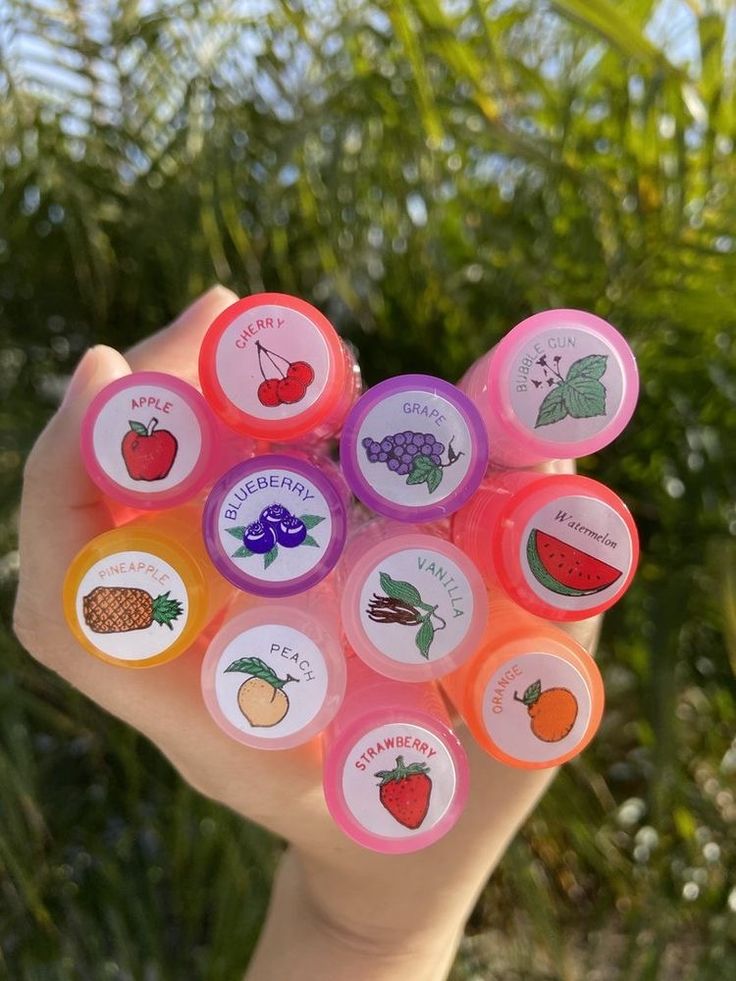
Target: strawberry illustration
{"points": [[405, 792]]}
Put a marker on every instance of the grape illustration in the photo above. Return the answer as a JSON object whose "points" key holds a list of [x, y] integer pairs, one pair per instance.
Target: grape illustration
{"points": [[416, 456]]}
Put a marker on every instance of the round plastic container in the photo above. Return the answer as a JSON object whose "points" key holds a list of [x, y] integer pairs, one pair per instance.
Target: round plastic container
{"points": [[559, 385], [274, 675], [562, 546], [148, 440], [139, 595], [413, 605], [395, 775], [414, 448], [275, 525], [273, 367], [531, 697]]}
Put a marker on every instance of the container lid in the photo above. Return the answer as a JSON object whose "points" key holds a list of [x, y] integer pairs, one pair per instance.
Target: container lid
{"points": [[148, 440], [568, 547], [541, 701], [135, 598], [275, 525], [414, 607], [414, 448], [396, 784], [565, 382], [274, 677], [272, 366]]}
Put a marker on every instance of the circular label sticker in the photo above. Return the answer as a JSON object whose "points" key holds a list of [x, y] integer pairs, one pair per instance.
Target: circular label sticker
{"points": [[414, 448], [147, 438], [132, 605], [416, 605], [566, 385], [270, 681], [275, 525], [272, 362], [575, 552], [536, 707], [398, 780]]}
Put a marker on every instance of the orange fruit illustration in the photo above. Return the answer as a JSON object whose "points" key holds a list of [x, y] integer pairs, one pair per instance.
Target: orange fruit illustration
{"points": [[552, 712], [261, 698]]}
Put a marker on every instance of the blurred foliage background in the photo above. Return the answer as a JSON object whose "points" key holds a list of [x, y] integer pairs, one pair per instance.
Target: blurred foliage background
{"points": [[428, 174]]}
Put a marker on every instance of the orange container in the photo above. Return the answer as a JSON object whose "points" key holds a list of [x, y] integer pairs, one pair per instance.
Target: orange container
{"points": [[531, 696]]}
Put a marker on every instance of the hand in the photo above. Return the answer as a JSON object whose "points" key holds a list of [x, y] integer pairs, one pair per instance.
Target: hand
{"points": [[338, 910]]}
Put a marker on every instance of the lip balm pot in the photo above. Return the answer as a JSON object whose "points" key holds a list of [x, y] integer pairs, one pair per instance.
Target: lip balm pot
{"points": [[274, 368], [274, 674], [413, 605], [560, 385], [148, 440], [275, 525], [562, 546], [531, 697], [141, 594], [414, 448], [395, 775]]}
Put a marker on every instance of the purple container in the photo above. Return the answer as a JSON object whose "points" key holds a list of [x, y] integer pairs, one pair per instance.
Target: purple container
{"points": [[276, 525], [414, 448]]}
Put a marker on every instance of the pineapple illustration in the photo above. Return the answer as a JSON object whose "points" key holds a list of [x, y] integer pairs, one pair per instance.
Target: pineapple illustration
{"points": [[117, 609]]}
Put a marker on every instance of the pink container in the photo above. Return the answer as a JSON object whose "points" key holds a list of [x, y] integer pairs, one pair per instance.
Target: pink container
{"points": [[274, 674], [149, 440], [395, 775], [562, 546], [413, 605], [560, 385]]}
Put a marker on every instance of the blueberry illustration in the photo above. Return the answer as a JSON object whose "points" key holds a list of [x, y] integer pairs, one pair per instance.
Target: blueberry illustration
{"points": [[291, 532], [273, 515], [367, 442], [259, 538]]}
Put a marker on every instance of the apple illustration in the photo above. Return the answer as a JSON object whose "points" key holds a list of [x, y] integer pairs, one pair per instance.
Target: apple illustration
{"points": [[148, 453]]}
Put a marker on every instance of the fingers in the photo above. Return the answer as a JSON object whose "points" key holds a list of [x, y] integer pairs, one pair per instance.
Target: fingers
{"points": [[61, 508], [175, 349]]}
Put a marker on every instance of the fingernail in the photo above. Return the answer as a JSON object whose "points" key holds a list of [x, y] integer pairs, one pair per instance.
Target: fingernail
{"points": [[83, 375]]}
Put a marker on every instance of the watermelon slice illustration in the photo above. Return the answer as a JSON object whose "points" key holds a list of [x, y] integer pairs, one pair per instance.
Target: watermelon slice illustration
{"points": [[567, 570]]}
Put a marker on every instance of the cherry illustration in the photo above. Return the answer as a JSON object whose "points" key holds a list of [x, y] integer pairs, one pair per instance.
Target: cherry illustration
{"points": [[301, 371], [290, 387], [268, 392], [290, 390]]}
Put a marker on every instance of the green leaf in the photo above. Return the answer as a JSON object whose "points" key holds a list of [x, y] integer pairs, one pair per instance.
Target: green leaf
{"points": [[532, 693], [256, 667], [138, 427], [423, 471], [311, 520], [424, 638], [310, 541], [552, 408], [593, 366], [399, 589], [584, 397], [236, 532], [270, 557], [242, 553]]}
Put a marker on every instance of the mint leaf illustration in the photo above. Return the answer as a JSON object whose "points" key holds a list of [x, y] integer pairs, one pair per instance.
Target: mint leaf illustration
{"points": [[592, 367], [584, 397], [399, 589], [311, 520], [424, 638], [236, 532], [242, 553], [270, 557], [310, 541], [552, 408]]}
